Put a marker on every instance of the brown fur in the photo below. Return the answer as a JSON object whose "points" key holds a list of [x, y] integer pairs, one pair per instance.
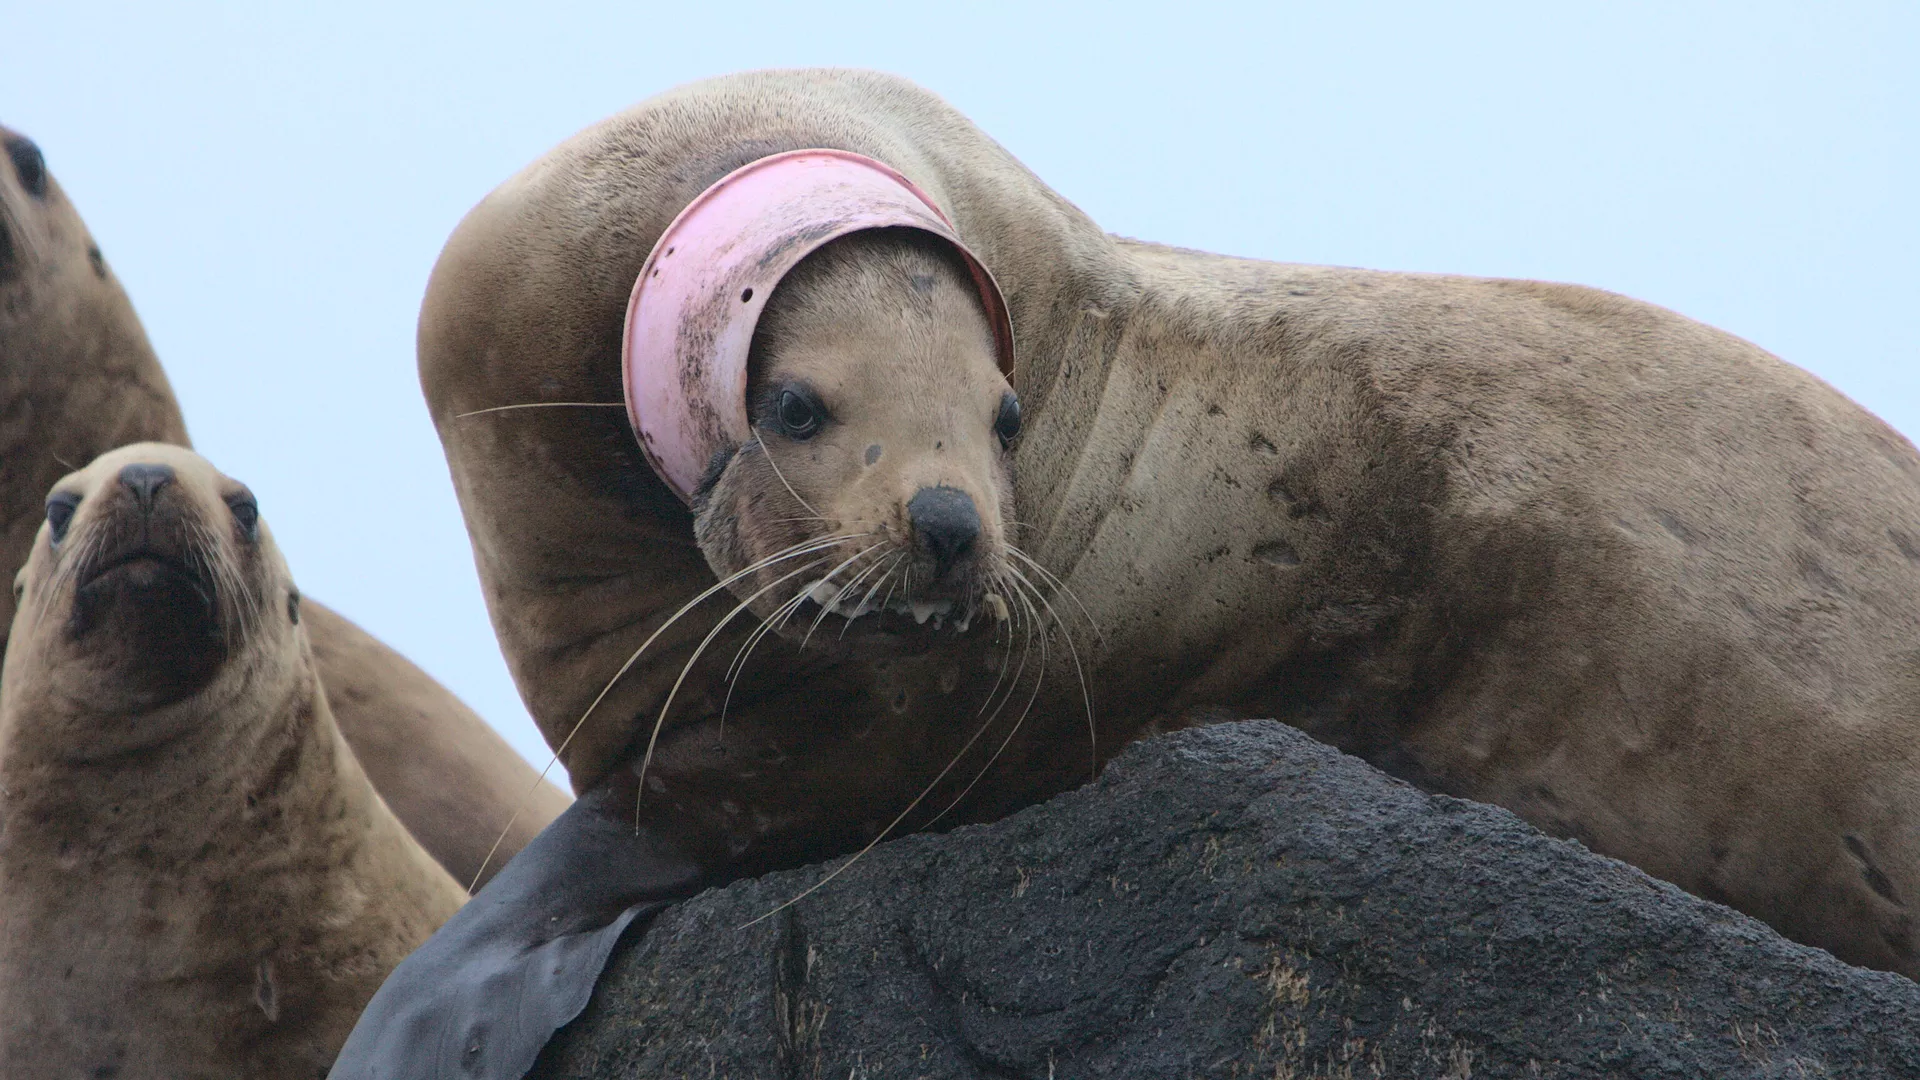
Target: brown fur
{"points": [[1528, 543], [896, 344], [78, 378], [196, 878]]}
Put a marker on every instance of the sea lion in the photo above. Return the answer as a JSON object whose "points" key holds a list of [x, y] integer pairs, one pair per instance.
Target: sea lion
{"points": [[1527, 543], [78, 378], [196, 877]]}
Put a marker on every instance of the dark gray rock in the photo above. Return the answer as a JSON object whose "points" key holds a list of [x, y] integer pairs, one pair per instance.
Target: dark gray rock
{"points": [[1234, 901]]}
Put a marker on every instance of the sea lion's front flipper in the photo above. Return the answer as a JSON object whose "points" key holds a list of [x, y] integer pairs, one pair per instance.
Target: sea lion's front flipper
{"points": [[481, 998]]}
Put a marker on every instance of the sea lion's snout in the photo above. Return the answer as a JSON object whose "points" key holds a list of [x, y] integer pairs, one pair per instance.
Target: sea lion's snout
{"points": [[144, 481], [946, 527], [146, 550]]}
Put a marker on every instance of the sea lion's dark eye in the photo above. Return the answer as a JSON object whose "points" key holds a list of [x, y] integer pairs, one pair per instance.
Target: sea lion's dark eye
{"points": [[246, 513], [60, 508], [28, 164], [799, 414], [1007, 423]]}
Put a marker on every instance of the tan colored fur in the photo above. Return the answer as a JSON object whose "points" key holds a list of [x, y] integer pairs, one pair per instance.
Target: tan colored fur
{"points": [[205, 886], [1534, 544], [897, 346], [78, 378]]}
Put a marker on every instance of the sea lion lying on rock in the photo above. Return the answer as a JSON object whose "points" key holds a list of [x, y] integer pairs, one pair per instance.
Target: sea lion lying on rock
{"points": [[78, 378], [1527, 543], [196, 877]]}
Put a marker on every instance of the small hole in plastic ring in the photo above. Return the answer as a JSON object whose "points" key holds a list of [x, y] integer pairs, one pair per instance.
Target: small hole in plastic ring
{"points": [[746, 295]]}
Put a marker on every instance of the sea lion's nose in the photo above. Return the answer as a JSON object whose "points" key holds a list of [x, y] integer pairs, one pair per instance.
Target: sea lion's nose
{"points": [[945, 525], [145, 481]]}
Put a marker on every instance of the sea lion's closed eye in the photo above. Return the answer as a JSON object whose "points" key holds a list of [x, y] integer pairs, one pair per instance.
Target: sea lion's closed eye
{"points": [[29, 165], [246, 513], [60, 509]]}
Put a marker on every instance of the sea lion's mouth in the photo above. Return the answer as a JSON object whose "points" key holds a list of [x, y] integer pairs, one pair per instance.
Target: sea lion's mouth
{"points": [[148, 585], [145, 568], [153, 618], [933, 614], [895, 621], [899, 605]]}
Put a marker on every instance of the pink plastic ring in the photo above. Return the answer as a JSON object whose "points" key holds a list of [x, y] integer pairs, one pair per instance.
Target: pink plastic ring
{"points": [[692, 313]]}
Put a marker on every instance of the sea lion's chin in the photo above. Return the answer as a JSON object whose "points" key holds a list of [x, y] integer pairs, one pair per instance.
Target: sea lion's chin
{"points": [[153, 621]]}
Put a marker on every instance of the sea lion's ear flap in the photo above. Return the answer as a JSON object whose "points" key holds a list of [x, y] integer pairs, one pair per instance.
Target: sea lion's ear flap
{"points": [[19, 584], [693, 309]]}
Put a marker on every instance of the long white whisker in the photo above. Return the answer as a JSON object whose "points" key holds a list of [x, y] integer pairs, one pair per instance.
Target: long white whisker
{"points": [[739, 665], [1093, 733], [1058, 585], [62, 574], [852, 584], [786, 608], [766, 626], [69, 572], [1040, 677], [768, 454], [999, 580], [825, 609], [659, 722], [1032, 628], [775, 620], [544, 405], [887, 601], [884, 833], [229, 589], [891, 562], [804, 548]]}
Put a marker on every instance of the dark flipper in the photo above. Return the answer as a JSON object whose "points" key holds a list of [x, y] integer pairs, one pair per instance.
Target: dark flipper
{"points": [[484, 994]]}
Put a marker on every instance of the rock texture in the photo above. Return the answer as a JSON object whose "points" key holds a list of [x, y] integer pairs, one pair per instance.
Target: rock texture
{"points": [[1233, 901]]}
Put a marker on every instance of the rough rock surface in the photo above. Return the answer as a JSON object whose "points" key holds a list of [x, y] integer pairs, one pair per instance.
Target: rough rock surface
{"points": [[1233, 901]]}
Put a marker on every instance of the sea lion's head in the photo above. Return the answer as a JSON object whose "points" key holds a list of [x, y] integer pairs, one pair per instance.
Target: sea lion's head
{"points": [[602, 536], [46, 252], [152, 581], [818, 366], [26, 228], [876, 481], [77, 376]]}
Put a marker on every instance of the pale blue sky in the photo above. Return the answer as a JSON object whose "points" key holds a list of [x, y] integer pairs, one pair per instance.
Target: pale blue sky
{"points": [[273, 182]]}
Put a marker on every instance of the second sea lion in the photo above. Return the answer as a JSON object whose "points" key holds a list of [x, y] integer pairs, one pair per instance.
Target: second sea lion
{"points": [[78, 378], [196, 877]]}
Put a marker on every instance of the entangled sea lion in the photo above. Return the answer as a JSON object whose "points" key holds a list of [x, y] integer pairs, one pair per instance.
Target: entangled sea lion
{"points": [[1527, 543], [196, 877], [78, 378]]}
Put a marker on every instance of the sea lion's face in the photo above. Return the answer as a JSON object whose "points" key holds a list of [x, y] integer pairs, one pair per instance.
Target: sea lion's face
{"points": [[41, 237], [876, 484], [153, 580], [77, 376]]}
